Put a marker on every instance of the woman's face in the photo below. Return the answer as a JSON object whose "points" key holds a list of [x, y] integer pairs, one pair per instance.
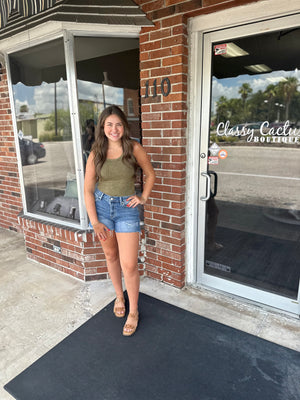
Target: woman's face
{"points": [[113, 128]]}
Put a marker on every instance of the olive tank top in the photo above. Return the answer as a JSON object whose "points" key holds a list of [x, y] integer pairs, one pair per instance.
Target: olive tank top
{"points": [[117, 178]]}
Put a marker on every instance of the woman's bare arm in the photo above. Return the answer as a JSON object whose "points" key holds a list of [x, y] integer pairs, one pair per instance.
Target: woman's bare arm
{"points": [[143, 160], [89, 189]]}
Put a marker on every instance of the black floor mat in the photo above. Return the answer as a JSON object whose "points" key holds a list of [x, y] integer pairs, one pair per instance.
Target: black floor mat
{"points": [[258, 260], [174, 354]]}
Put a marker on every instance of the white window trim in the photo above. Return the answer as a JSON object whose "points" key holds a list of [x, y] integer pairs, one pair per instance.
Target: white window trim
{"points": [[53, 29]]}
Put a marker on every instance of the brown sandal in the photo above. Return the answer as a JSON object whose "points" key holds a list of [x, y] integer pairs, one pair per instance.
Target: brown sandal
{"points": [[119, 307], [129, 329]]}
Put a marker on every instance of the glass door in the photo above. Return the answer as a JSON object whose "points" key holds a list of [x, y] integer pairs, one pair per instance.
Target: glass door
{"points": [[250, 164]]}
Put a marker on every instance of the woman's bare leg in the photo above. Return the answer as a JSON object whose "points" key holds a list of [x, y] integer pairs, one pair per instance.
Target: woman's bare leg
{"points": [[128, 251], [111, 252]]}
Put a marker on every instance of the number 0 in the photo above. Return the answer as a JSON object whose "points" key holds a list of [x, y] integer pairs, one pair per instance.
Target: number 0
{"points": [[168, 83]]}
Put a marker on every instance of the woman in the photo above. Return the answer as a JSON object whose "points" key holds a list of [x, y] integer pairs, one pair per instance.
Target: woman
{"points": [[112, 206]]}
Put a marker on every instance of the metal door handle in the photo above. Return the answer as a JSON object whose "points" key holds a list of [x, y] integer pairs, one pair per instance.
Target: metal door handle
{"points": [[205, 198], [213, 194]]}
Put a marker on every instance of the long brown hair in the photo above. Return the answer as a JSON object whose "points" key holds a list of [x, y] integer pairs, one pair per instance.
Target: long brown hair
{"points": [[100, 145]]}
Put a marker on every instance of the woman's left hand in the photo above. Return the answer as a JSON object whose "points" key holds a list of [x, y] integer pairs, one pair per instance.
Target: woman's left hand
{"points": [[134, 201]]}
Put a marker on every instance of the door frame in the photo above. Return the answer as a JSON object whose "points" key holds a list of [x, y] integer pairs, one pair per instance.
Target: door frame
{"points": [[262, 17]]}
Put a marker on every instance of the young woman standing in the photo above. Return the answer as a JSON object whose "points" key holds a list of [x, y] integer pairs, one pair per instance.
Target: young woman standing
{"points": [[112, 206]]}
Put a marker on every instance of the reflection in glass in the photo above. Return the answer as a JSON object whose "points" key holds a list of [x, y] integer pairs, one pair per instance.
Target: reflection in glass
{"points": [[255, 123], [44, 129], [107, 73]]}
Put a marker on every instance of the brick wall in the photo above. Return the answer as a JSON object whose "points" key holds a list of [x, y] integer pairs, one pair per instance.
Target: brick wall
{"points": [[164, 54], [10, 194], [71, 251]]}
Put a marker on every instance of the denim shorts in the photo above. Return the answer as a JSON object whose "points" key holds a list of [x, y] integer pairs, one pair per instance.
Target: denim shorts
{"points": [[113, 212]]}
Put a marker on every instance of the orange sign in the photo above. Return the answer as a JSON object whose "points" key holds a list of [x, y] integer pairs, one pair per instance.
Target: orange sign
{"points": [[223, 154]]}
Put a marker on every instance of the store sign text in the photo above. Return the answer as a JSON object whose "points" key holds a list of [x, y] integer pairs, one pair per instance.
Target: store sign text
{"points": [[281, 134]]}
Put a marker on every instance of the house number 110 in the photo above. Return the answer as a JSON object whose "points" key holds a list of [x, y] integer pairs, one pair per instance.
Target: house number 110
{"points": [[165, 87]]}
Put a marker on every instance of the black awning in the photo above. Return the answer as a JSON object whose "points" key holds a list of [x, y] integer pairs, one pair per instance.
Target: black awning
{"points": [[19, 15], [22, 8]]}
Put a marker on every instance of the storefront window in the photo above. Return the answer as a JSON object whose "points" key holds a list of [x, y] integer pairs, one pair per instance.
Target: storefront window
{"points": [[41, 101], [44, 131]]}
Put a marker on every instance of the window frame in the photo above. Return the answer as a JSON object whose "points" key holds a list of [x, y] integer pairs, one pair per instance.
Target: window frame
{"points": [[38, 36]]}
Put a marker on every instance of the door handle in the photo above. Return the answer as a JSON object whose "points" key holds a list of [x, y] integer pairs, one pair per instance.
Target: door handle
{"points": [[205, 198], [213, 194]]}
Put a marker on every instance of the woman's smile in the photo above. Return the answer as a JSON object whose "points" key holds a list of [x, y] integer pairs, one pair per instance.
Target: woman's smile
{"points": [[113, 128]]}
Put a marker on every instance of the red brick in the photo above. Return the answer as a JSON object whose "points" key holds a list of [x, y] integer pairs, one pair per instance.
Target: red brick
{"points": [[150, 64], [151, 46], [146, 125], [144, 37], [180, 30], [172, 2], [152, 259], [179, 106], [161, 124], [151, 116], [161, 53], [180, 49], [159, 34], [146, 108], [144, 75], [161, 107], [144, 56], [177, 59], [149, 133], [179, 69], [160, 157], [171, 21], [162, 71], [191, 5], [172, 182], [178, 283], [153, 275], [179, 158], [181, 87], [179, 124], [174, 115], [179, 97], [173, 41], [178, 189], [153, 5]]}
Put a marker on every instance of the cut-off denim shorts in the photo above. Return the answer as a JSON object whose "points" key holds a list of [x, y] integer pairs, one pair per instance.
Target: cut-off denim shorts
{"points": [[113, 212]]}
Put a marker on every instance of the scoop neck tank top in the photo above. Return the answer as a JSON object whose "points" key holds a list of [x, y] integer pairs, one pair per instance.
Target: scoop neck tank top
{"points": [[117, 178]]}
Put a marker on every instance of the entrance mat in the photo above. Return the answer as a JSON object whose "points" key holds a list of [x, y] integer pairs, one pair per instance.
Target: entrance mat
{"points": [[174, 355]]}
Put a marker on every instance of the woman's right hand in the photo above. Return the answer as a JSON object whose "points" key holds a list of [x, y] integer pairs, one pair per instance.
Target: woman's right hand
{"points": [[100, 230]]}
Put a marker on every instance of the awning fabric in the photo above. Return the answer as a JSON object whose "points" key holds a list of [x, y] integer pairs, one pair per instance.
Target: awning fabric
{"points": [[24, 8], [19, 15]]}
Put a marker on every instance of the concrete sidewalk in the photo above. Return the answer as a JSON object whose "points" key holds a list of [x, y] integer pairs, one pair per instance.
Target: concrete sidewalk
{"points": [[40, 307]]}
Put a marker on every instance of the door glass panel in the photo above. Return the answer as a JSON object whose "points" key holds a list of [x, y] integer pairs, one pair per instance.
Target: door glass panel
{"points": [[44, 131], [253, 215]]}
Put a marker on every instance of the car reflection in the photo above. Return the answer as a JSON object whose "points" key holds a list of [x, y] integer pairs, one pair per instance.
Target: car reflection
{"points": [[31, 151]]}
